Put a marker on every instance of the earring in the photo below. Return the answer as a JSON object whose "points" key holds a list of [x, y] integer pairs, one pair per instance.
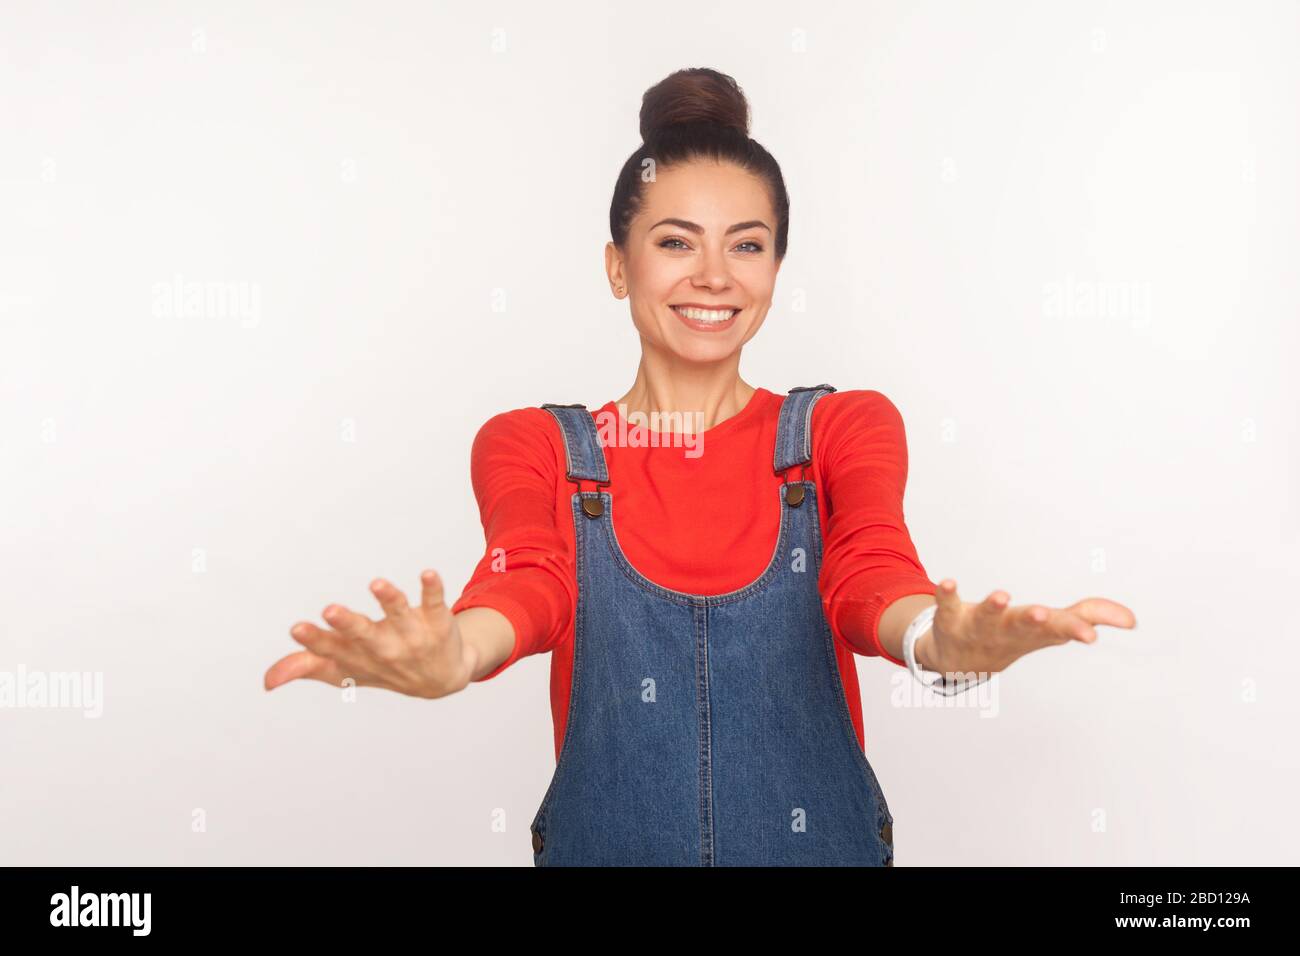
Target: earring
{"points": [[620, 290]]}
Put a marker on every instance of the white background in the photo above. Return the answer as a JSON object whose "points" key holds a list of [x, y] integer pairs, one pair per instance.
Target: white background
{"points": [[1060, 237]]}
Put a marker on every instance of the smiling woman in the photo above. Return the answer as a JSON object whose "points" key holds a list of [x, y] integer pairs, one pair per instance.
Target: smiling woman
{"points": [[712, 269], [703, 686]]}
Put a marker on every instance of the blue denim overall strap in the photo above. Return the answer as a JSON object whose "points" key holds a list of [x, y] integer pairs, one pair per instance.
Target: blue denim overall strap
{"points": [[706, 729]]}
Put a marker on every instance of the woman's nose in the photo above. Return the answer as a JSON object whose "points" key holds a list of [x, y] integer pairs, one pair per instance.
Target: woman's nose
{"points": [[713, 271]]}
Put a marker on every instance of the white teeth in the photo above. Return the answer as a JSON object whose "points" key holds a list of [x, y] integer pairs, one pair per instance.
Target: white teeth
{"points": [[706, 315]]}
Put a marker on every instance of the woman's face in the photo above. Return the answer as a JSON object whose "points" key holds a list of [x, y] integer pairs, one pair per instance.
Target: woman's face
{"points": [[703, 240]]}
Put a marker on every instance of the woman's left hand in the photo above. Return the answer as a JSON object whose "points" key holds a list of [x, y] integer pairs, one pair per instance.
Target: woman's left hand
{"points": [[987, 637]]}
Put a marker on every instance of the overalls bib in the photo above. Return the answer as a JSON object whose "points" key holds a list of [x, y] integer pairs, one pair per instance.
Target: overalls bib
{"points": [[706, 730]]}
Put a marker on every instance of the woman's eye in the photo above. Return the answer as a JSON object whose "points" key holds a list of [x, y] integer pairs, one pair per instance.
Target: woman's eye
{"points": [[665, 244]]}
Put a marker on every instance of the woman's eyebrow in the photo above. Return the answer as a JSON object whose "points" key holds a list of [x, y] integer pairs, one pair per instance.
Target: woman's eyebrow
{"points": [[698, 229]]}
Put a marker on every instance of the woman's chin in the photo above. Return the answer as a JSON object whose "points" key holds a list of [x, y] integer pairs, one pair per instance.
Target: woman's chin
{"points": [[702, 353], [703, 346]]}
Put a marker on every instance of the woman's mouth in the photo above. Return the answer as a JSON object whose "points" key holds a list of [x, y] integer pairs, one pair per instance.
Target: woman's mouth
{"points": [[706, 320]]}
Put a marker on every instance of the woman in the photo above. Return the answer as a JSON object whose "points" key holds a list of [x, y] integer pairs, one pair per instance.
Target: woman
{"points": [[704, 694]]}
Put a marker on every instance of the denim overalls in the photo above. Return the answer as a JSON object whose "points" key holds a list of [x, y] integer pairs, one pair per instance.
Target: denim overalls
{"points": [[706, 730]]}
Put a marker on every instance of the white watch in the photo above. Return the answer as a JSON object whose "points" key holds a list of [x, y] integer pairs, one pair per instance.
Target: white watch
{"points": [[920, 624], [931, 679]]}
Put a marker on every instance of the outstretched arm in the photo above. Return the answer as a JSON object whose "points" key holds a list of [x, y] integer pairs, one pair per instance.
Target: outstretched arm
{"points": [[422, 651], [519, 601], [874, 584], [988, 636]]}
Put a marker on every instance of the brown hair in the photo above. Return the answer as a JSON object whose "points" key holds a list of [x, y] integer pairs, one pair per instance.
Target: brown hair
{"points": [[692, 114]]}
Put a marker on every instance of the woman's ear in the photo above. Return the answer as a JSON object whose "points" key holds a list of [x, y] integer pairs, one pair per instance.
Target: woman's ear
{"points": [[614, 269]]}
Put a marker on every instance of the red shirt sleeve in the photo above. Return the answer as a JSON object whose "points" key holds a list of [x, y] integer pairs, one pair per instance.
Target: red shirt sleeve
{"points": [[527, 570], [869, 560]]}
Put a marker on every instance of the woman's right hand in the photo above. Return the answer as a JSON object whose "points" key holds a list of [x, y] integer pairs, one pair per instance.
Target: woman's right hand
{"points": [[417, 651]]}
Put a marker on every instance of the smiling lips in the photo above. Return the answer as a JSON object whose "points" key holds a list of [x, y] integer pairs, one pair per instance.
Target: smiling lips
{"points": [[703, 319]]}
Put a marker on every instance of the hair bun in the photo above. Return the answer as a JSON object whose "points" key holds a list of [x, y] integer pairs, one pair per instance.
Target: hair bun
{"points": [[696, 95]]}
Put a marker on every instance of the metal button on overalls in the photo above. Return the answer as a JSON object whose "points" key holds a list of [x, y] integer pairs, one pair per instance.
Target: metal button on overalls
{"points": [[706, 730]]}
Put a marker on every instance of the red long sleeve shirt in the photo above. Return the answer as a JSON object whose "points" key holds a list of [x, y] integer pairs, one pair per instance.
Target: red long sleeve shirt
{"points": [[703, 525]]}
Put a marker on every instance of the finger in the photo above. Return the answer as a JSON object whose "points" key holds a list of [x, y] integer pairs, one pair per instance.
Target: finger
{"points": [[392, 600], [431, 590], [949, 610], [317, 640], [1032, 617], [946, 599], [304, 665], [991, 608], [1042, 625], [1097, 610], [1076, 628], [348, 623]]}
